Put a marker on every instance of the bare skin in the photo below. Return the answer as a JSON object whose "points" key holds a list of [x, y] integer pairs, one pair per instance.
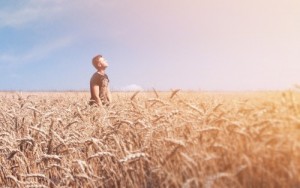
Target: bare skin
{"points": [[100, 92]]}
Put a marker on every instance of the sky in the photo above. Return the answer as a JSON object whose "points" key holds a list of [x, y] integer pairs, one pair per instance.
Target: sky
{"points": [[230, 45]]}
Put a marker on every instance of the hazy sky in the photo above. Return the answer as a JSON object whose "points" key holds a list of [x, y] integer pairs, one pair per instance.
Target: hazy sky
{"points": [[162, 44]]}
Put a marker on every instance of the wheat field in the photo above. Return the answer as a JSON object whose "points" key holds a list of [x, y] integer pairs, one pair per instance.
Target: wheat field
{"points": [[150, 139]]}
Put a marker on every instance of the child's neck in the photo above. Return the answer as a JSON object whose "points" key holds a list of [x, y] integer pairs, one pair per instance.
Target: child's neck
{"points": [[102, 72]]}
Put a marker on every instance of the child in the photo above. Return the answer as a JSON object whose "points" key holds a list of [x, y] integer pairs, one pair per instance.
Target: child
{"points": [[100, 93]]}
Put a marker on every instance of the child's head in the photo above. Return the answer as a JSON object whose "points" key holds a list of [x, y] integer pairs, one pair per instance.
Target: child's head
{"points": [[99, 62]]}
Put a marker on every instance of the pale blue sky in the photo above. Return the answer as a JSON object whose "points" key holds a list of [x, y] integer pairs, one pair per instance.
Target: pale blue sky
{"points": [[162, 44]]}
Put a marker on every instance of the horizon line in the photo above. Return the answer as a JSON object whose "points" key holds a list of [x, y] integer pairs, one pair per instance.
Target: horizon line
{"points": [[150, 90]]}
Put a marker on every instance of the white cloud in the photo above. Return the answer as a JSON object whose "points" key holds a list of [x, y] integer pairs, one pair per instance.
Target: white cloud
{"points": [[7, 58], [43, 50], [27, 13], [132, 87], [36, 52], [42, 10]]}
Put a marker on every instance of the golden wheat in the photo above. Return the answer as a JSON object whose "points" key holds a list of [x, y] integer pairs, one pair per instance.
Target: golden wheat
{"points": [[177, 139]]}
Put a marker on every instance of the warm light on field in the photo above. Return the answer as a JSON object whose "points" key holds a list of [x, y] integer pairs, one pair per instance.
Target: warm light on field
{"points": [[154, 139]]}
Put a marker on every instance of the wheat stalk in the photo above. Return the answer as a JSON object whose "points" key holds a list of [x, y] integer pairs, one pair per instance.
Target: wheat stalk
{"points": [[134, 156]]}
